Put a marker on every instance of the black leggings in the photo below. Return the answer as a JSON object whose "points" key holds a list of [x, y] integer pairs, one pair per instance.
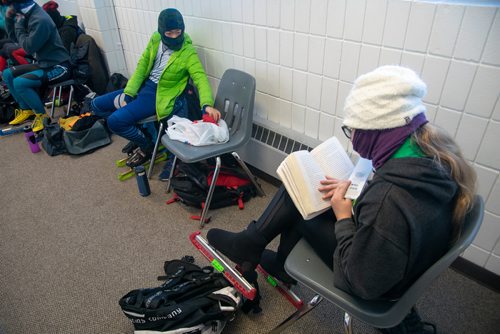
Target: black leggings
{"points": [[319, 231]]}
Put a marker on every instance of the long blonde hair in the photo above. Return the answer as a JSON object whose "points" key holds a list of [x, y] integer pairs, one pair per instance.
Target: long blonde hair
{"points": [[440, 146]]}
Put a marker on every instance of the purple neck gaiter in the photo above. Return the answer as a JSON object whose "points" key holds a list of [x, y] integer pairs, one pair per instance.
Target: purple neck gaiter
{"points": [[380, 145]]}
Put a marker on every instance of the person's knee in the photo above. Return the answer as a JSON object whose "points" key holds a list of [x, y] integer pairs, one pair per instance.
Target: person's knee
{"points": [[116, 123], [7, 75], [94, 106], [18, 84]]}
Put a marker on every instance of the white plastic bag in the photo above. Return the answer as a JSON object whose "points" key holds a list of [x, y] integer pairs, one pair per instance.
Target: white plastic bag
{"points": [[197, 133]]}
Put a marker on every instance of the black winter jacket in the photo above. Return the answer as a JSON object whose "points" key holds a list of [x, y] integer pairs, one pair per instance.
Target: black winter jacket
{"points": [[401, 226], [69, 31]]}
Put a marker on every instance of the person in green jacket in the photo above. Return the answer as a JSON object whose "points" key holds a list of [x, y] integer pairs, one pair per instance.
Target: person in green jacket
{"points": [[157, 87]]}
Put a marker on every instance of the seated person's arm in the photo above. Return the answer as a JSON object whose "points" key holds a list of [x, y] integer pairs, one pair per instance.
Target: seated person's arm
{"points": [[140, 73], [197, 73], [10, 17], [34, 39]]}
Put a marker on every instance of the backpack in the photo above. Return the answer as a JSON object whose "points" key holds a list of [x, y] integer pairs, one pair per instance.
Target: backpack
{"points": [[7, 111], [193, 102], [116, 81], [191, 182], [191, 300]]}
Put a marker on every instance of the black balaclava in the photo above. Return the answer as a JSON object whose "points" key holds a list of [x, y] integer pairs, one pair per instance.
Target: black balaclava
{"points": [[171, 19]]}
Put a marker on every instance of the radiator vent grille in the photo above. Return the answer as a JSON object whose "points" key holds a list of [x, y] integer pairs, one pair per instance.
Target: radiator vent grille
{"points": [[277, 140]]}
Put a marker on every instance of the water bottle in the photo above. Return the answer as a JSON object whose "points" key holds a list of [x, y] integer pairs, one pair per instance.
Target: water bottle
{"points": [[31, 139], [142, 180]]}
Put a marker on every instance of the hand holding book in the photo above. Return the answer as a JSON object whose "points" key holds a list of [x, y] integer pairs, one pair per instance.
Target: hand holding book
{"points": [[341, 205], [302, 173]]}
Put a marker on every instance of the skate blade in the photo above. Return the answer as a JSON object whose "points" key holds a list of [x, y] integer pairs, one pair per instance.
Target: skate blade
{"points": [[218, 262], [13, 129], [283, 288], [130, 172]]}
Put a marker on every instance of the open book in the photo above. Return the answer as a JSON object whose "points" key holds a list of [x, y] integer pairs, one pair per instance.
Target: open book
{"points": [[302, 171]]}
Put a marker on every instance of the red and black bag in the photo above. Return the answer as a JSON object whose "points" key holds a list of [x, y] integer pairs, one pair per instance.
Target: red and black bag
{"points": [[191, 182]]}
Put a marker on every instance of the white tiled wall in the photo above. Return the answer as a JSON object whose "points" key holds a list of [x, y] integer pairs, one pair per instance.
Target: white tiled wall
{"points": [[305, 54], [98, 17]]}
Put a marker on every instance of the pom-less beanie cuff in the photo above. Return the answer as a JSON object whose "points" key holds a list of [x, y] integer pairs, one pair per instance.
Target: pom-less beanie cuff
{"points": [[386, 98]]}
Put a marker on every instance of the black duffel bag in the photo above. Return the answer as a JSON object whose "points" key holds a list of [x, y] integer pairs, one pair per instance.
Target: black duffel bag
{"points": [[57, 141], [87, 140], [52, 140]]}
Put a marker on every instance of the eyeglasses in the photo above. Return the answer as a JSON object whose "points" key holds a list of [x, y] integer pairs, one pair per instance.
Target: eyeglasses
{"points": [[347, 131]]}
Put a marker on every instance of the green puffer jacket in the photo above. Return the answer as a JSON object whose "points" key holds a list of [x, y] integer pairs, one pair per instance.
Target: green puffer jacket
{"points": [[182, 64]]}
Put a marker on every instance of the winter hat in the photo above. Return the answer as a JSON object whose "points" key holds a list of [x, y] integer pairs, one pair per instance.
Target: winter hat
{"points": [[386, 98], [51, 8], [170, 19], [20, 5]]}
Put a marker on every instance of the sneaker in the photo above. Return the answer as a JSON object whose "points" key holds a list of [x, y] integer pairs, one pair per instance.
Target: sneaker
{"points": [[138, 158], [38, 122], [165, 174], [21, 116]]}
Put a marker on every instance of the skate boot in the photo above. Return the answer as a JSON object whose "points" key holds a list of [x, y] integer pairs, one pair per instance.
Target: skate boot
{"points": [[140, 157], [243, 248], [270, 262], [129, 148]]}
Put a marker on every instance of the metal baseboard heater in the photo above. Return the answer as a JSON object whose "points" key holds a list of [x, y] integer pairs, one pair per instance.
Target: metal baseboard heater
{"points": [[267, 149]]}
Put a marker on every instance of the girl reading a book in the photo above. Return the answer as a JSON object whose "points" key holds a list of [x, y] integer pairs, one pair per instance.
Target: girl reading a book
{"points": [[405, 218]]}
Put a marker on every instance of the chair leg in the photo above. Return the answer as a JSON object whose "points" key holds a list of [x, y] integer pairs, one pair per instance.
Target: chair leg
{"points": [[59, 96], [298, 314], [70, 98], [210, 191], [155, 150], [249, 173], [347, 323], [53, 107], [171, 173]]}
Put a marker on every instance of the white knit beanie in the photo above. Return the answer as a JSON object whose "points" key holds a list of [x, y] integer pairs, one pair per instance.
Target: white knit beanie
{"points": [[386, 98]]}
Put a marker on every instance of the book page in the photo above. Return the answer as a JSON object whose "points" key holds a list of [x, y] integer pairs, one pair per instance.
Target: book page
{"points": [[302, 173], [301, 176], [333, 159], [312, 175]]}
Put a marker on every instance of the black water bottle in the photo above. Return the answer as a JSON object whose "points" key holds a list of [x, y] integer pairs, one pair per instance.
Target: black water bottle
{"points": [[142, 180]]}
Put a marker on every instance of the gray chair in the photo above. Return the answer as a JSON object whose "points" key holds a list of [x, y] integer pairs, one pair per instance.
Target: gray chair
{"points": [[235, 100], [157, 141], [307, 268]]}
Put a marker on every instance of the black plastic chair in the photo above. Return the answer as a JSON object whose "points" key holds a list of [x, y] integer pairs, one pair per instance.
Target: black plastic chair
{"points": [[235, 100], [58, 88], [307, 268]]}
